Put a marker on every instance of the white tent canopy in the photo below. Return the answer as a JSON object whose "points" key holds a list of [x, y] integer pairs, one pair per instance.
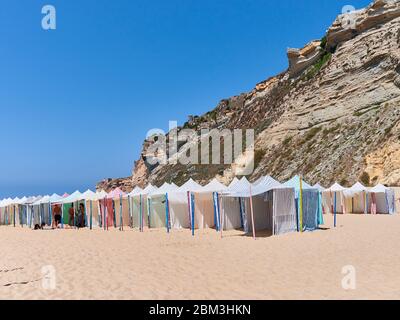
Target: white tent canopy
{"points": [[135, 191], [335, 188], [237, 187], [354, 190], [101, 195], [76, 196], [380, 188], [164, 189], [319, 187], [148, 190], [213, 186], [89, 195], [190, 186], [45, 199]]}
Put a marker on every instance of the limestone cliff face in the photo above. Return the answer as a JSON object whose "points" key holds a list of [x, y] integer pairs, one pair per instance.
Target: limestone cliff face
{"points": [[334, 115]]}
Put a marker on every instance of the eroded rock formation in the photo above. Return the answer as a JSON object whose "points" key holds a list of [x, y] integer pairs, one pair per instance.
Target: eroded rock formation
{"points": [[334, 115]]}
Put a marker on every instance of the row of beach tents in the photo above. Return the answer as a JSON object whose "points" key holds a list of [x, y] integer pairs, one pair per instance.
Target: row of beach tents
{"points": [[265, 205]]}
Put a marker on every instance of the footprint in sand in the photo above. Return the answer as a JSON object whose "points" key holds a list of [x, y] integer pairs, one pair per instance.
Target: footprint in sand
{"points": [[20, 283], [11, 270]]}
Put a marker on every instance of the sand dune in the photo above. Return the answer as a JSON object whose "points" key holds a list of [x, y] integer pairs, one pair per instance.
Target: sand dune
{"points": [[156, 265]]}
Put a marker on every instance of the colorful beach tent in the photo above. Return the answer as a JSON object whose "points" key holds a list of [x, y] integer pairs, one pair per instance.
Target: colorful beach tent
{"points": [[266, 204], [231, 213], [359, 198], [158, 206], [181, 205], [334, 201], [139, 206], [135, 191], [382, 200], [309, 210]]}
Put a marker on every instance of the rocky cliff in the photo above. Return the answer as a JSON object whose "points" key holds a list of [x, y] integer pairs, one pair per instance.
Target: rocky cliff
{"points": [[334, 115]]}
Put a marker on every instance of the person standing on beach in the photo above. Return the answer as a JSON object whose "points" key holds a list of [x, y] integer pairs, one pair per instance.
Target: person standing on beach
{"points": [[57, 216], [81, 216]]}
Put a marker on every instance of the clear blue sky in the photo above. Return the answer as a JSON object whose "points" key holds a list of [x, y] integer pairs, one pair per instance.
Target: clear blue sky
{"points": [[77, 102]]}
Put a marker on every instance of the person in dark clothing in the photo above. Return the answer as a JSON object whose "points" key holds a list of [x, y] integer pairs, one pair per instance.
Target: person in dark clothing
{"points": [[57, 216], [81, 216]]}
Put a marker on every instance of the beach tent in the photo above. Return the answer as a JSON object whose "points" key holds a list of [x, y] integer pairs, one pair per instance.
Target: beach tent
{"points": [[321, 191], [98, 207], [110, 211], [382, 200], [122, 209], [67, 203], [231, 207], [12, 211], [267, 205], [43, 209], [139, 206], [20, 213], [359, 198], [334, 201], [206, 204], [92, 208], [181, 205], [159, 208], [127, 200], [5, 211], [38, 211], [266, 179], [309, 210], [29, 208]]}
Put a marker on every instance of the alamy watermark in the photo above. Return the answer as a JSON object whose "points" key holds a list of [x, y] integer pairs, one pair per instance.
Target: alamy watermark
{"points": [[49, 280], [49, 21], [350, 278], [202, 147]]}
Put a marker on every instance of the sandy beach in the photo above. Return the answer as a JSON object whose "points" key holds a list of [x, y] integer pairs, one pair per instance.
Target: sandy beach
{"points": [[156, 265]]}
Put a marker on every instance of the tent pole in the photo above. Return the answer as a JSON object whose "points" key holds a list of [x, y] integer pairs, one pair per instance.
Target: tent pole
{"points": [[75, 214], [91, 214], [105, 222], [335, 211], [114, 213], [252, 214], [167, 212], [189, 210], [50, 215], [221, 214], [85, 220], [130, 212], [100, 214], [149, 211], [140, 215], [216, 211], [219, 200], [301, 205], [62, 215], [121, 220], [241, 213], [193, 210]]}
